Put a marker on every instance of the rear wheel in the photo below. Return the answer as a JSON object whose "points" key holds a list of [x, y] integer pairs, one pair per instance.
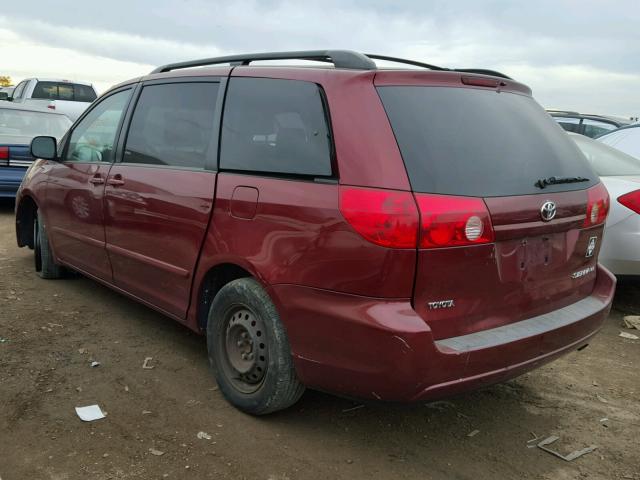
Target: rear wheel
{"points": [[43, 257], [249, 351]]}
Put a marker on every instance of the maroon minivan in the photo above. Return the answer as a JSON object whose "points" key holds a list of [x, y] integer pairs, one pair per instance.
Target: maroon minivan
{"points": [[391, 234]]}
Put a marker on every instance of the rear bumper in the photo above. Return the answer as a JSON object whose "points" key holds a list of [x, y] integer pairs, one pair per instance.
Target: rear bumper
{"points": [[10, 179], [382, 349]]}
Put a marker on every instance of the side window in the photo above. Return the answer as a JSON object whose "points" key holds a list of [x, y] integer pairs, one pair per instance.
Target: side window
{"points": [[275, 126], [173, 125], [93, 138], [594, 128], [569, 124]]}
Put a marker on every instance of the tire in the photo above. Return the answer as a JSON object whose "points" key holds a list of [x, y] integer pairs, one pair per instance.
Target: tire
{"points": [[45, 265], [249, 351]]}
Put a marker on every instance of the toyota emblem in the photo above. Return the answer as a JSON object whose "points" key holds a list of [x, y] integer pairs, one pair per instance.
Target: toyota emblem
{"points": [[548, 211]]}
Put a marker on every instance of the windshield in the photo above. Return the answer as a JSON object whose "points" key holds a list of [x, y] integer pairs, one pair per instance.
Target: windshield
{"points": [[31, 124], [478, 142], [606, 160]]}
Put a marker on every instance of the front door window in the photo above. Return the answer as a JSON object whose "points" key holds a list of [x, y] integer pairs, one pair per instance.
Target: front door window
{"points": [[94, 137]]}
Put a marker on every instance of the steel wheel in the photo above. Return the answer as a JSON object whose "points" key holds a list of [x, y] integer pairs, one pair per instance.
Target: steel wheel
{"points": [[249, 351], [245, 349]]}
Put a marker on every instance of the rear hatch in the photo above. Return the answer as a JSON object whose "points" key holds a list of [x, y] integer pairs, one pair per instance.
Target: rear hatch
{"points": [[511, 213]]}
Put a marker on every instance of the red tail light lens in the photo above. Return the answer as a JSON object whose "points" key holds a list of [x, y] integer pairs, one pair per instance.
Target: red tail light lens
{"points": [[630, 200], [448, 221], [4, 153], [385, 217], [51, 106], [597, 205]]}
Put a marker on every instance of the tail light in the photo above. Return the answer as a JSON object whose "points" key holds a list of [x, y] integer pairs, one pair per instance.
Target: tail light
{"points": [[448, 221], [630, 200], [51, 106], [4, 156], [597, 205], [385, 217]]}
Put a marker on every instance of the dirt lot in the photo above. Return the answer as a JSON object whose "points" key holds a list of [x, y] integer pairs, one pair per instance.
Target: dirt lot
{"points": [[45, 325]]}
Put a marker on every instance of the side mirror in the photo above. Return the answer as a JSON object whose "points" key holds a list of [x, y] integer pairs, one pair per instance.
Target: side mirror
{"points": [[4, 96], [44, 147]]}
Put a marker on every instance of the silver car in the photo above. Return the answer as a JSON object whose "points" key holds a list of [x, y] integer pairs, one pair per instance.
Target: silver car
{"points": [[626, 139], [620, 173]]}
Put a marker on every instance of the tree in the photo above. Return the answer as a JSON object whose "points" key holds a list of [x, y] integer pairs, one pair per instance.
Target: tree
{"points": [[5, 81]]}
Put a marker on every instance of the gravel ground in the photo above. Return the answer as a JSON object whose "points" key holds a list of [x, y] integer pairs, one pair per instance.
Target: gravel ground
{"points": [[50, 331]]}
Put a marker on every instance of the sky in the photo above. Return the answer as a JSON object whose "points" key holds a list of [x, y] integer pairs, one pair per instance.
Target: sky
{"points": [[576, 55]]}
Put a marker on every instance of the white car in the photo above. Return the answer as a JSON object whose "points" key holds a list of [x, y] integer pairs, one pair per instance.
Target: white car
{"points": [[620, 173], [626, 139], [61, 96]]}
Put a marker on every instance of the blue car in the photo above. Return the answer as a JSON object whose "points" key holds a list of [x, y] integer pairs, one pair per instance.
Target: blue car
{"points": [[18, 125]]}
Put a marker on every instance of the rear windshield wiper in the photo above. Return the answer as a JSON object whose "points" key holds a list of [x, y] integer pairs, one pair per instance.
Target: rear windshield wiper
{"points": [[543, 182]]}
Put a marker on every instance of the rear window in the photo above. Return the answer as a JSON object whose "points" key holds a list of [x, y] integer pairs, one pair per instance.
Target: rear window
{"points": [[31, 124], [73, 92], [464, 141]]}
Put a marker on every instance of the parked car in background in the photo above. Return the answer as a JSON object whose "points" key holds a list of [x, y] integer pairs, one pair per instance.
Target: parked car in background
{"points": [[327, 227], [18, 125], [626, 139], [5, 92], [587, 124], [62, 96], [620, 251]]}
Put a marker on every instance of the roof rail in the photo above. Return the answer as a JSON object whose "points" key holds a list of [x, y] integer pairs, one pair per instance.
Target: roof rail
{"points": [[404, 60], [568, 112], [340, 59], [482, 71]]}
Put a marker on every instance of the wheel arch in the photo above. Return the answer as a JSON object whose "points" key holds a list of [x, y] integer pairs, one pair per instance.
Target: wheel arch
{"points": [[25, 215], [217, 276]]}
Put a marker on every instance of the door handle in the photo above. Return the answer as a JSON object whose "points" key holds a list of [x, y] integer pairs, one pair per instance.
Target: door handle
{"points": [[115, 181], [96, 179]]}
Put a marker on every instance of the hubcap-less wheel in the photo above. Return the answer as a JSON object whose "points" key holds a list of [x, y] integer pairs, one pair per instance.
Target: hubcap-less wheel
{"points": [[245, 349]]}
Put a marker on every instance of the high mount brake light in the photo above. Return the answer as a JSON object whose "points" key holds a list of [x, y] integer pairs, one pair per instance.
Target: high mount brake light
{"points": [[385, 217], [597, 205], [482, 82], [449, 221], [631, 200]]}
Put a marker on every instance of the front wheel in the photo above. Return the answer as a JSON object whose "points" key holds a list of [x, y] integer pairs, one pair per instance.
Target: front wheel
{"points": [[249, 351], [43, 256]]}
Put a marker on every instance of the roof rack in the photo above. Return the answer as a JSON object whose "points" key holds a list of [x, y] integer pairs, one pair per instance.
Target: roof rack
{"points": [[339, 58], [569, 112], [482, 71], [405, 61]]}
